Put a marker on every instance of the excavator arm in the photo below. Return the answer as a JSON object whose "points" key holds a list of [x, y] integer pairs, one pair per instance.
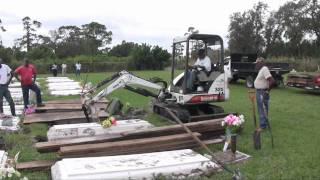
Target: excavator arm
{"points": [[121, 79]]}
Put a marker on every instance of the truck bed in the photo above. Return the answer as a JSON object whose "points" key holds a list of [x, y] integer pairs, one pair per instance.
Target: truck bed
{"points": [[309, 81], [281, 68]]}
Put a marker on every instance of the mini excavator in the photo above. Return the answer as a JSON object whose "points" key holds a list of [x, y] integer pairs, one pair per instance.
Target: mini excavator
{"points": [[188, 104]]}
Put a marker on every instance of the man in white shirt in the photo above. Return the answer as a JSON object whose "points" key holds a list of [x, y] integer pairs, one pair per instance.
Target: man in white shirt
{"points": [[203, 63], [6, 75], [63, 69], [78, 69], [263, 84]]}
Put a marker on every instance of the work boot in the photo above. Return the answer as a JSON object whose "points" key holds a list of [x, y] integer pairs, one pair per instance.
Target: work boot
{"points": [[41, 105]]}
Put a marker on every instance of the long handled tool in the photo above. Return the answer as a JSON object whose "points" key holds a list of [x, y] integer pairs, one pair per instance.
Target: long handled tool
{"points": [[256, 134], [236, 173], [267, 120], [85, 110]]}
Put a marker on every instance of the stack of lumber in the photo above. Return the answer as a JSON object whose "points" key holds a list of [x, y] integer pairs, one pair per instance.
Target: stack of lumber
{"points": [[144, 145], [154, 139], [60, 117], [63, 112]]}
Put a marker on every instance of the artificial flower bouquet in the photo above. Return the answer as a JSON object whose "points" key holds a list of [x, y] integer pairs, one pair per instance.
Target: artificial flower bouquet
{"points": [[108, 122], [232, 124]]}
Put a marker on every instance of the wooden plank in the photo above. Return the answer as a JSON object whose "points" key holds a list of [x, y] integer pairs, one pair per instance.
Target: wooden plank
{"points": [[165, 146], [210, 116], [51, 146], [64, 101], [70, 101], [35, 165], [201, 127], [56, 107], [125, 145], [75, 116]]}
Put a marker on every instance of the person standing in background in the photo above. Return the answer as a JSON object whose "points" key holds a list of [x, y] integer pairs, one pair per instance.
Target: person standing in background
{"points": [[6, 75], [54, 69], [63, 69], [78, 68], [27, 78]]}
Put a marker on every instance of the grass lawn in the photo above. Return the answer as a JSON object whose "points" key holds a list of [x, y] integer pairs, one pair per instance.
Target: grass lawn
{"points": [[294, 116]]}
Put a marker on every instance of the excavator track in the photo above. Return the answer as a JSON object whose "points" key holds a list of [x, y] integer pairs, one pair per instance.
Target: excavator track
{"points": [[189, 113]]}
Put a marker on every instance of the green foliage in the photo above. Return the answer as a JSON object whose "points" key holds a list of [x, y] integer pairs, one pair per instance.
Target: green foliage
{"points": [[72, 40], [30, 27], [122, 50], [6, 54], [145, 57], [292, 30], [245, 30], [41, 53]]}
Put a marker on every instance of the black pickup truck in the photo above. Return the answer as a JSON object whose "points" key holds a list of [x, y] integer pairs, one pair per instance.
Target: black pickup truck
{"points": [[243, 67]]}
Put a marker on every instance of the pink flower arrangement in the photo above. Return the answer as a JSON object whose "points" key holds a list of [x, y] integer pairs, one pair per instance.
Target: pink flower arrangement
{"points": [[232, 122]]}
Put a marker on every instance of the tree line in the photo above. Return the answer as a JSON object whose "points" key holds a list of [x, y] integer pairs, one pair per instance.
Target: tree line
{"points": [[292, 30], [88, 40]]}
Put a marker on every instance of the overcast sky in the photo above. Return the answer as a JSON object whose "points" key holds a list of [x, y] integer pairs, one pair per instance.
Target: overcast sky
{"points": [[155, 22]]}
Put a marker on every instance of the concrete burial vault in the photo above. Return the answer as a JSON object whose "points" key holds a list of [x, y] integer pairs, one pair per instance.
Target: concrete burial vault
{"points": [[178, 164]]}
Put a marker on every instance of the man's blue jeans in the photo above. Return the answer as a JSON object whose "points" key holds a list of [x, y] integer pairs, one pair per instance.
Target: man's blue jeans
{"points": [[25, 93], [262, 96]]}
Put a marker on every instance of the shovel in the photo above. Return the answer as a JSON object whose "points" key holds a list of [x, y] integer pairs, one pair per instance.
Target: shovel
{"points": [[256, 133]]}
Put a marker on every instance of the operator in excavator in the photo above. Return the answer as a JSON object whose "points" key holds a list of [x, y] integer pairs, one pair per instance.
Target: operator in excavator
{"points": [[203, 63]]}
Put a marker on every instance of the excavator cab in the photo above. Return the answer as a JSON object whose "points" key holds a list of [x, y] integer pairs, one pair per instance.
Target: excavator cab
{"points": [[207, 86]]}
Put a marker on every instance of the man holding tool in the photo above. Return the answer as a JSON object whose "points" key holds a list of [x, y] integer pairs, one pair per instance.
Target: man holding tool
{"points": [[263, 83]]}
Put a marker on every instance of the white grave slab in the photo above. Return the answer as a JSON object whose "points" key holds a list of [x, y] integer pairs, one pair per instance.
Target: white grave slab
{"points": [[66, 92], [15, 124], [15, 90], [8, 112], [74, 83], [179, 164], [15, 98], [59, 80], [58, 88], [20, 102], [58, 77], [18, 107], [15, 84], [67, 131]]}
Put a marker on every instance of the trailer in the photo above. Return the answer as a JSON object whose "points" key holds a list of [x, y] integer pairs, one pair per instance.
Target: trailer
{"points": [[308, 81], [243, 67]]}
